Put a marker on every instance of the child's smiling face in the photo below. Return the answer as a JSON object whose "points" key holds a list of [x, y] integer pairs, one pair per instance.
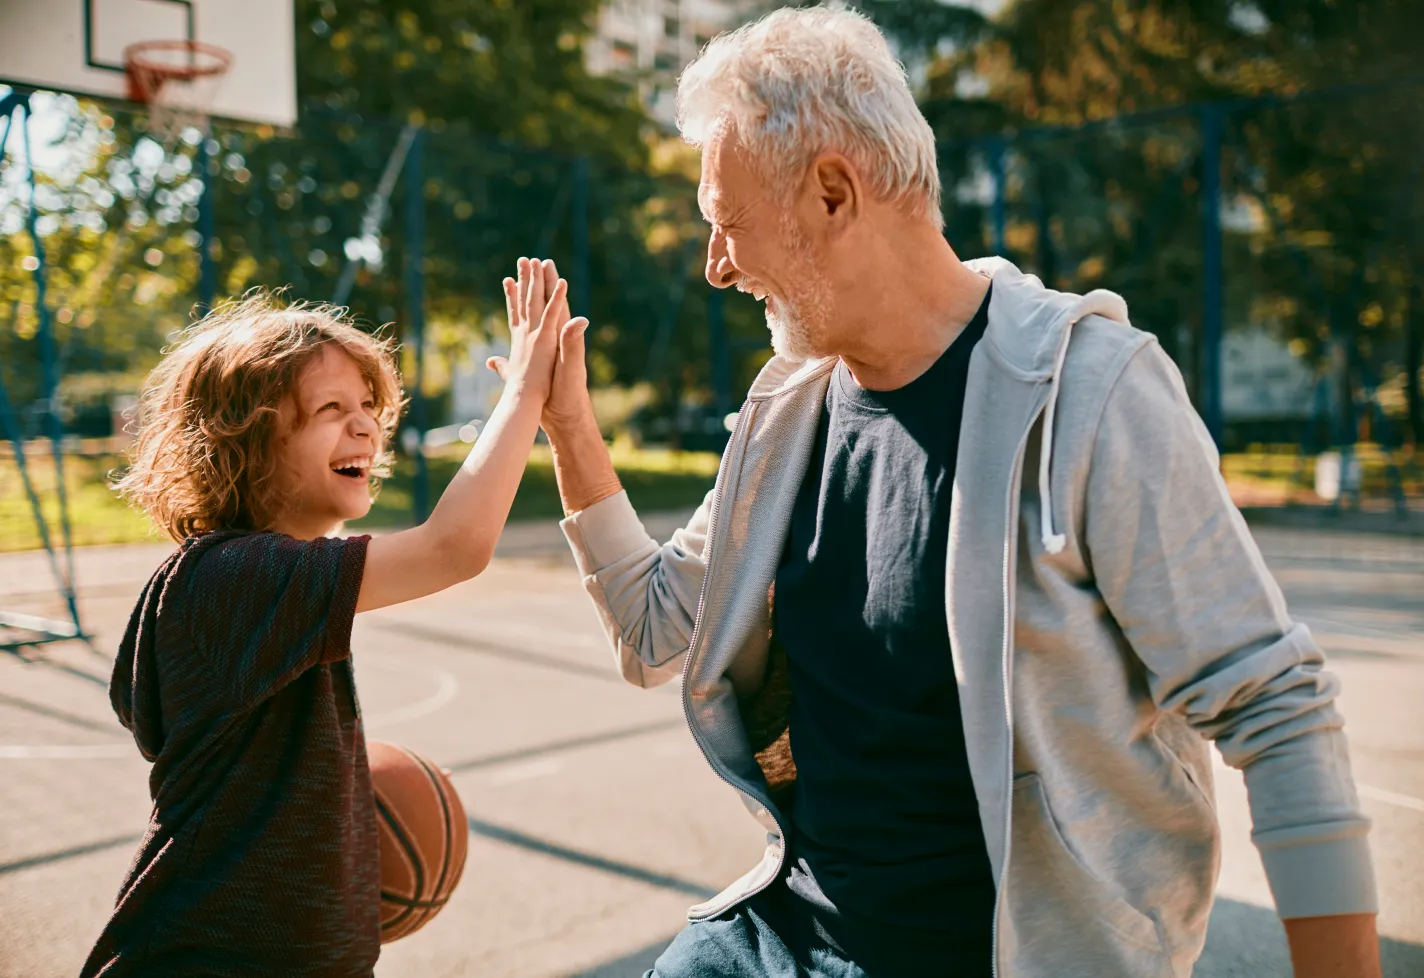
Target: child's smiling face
{"points": [[330, 439]]}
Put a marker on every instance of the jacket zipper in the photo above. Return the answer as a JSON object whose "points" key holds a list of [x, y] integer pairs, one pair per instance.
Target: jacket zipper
{"points": [[697, 630], [1006, 672]]}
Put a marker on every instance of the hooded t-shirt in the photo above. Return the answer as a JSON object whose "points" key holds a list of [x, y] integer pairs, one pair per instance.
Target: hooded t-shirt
{"points": [[261, 855]]}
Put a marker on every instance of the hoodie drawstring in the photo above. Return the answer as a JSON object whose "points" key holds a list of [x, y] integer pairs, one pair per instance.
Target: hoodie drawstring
{"points": [[1052, 542]]}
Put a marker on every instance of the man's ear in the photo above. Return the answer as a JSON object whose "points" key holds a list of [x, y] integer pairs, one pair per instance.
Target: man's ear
{"points": [[836, 192]]}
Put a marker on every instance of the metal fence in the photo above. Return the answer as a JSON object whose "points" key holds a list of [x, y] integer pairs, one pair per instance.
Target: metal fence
{"points": [[1271, 244]]}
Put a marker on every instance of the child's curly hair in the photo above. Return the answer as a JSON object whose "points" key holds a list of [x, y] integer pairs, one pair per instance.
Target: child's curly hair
{"points": [[207, 435]]}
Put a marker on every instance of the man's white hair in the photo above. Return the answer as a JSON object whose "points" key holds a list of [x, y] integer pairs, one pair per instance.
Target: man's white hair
{"points": [[799, 82]]}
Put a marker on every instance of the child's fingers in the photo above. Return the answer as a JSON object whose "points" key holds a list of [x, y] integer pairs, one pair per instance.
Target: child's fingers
{"points": [[551, 277], [537, 294], [511, 301], [522, 298], [499, 365]]}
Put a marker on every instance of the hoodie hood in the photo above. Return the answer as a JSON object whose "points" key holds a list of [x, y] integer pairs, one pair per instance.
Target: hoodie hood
{"points": [[1030, 326], [1029, 329]]}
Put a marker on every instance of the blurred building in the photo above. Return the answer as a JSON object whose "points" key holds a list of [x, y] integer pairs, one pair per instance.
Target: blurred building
{"points": [[653, 40]]}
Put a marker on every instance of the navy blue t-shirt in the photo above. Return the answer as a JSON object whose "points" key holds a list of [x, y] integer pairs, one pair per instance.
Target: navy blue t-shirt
{"points": [[887, 851]]}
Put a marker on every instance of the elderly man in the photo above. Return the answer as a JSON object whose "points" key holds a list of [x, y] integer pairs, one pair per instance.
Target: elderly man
{"points": [[969, 594]]}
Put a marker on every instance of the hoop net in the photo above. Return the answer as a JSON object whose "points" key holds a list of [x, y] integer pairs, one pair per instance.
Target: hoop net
{"points": [[178, 81]]}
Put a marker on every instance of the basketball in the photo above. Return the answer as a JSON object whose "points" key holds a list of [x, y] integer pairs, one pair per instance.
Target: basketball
{"points": [[423, 837]]}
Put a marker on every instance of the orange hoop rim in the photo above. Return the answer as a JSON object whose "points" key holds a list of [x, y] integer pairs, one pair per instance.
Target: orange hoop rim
{"points": [[147, 77]]}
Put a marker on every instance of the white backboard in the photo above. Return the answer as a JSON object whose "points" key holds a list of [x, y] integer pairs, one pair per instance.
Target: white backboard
{"points": [[77, 46]]}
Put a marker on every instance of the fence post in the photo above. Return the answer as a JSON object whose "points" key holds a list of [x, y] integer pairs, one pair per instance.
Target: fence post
{"points": [[207, 267], [721, 352], [49, 361], [1213, 310], [998, 214], [579, 285], [415, 315]]}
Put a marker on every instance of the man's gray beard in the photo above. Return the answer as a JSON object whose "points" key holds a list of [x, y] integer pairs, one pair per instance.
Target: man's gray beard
{"points": [[798, 329], [790, 336]]}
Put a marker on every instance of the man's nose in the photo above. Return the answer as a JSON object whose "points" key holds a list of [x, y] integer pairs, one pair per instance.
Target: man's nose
{"points": [[721, 273]]}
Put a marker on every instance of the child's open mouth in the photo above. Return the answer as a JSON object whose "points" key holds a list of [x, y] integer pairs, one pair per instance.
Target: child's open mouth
{"points": [[352, 468]]}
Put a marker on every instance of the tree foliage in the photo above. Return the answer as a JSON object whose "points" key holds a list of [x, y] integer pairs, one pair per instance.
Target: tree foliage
{"points": [[1318, 102], [522, 149]]}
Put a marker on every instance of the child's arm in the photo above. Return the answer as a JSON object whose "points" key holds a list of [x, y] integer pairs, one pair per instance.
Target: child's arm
{"points": [[458, 539]]}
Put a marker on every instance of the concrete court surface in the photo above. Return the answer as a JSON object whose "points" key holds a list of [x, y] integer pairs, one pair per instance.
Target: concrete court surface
{"points": [[594, 819]]}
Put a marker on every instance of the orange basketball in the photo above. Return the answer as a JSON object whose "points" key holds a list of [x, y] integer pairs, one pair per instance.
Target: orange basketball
{"points": [[423, 833]]}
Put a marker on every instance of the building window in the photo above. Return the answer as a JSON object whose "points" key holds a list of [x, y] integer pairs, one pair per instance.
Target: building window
{"points": [[665, 62], [624, 55], [672, 27]]}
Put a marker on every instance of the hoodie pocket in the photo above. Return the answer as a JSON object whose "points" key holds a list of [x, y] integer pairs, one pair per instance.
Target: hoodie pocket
{"points": [[1061, 905]]}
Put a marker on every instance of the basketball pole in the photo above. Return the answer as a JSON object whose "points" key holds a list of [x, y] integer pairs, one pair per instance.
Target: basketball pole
{"points": [[207, 265], [415, 315], [12, 106]]}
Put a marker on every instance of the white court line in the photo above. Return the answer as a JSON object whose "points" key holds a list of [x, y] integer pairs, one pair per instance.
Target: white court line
{"points": [[66, 752], [1364, 790], [446, 689], [1390, 797], [528, 771], [1345, 629]]}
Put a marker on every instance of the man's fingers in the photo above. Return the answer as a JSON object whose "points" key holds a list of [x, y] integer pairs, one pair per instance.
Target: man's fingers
{"points": [[553, 311], [571, 339]]}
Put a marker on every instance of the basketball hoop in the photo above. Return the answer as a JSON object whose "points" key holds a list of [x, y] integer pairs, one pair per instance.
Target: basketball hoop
{"points": [[177, 80]]}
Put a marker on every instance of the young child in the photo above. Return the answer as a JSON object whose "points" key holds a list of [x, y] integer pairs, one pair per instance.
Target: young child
{"points": [[261, 432]]}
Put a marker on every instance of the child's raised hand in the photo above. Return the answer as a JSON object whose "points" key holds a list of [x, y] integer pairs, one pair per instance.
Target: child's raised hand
{"points": [[537, 305]]}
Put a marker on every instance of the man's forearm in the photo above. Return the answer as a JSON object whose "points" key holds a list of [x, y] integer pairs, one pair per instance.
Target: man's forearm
{"points": [[582, 465], [1345, 946]]}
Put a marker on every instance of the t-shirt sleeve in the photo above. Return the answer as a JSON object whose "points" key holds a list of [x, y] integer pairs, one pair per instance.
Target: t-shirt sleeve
{"points": [[264, 608]]}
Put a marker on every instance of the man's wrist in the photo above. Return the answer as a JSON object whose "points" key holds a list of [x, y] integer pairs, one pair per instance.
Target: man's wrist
{"points": [[1343, 946], [565, 428]]}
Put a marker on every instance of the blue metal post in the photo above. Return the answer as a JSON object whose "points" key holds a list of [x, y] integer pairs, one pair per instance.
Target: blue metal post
{"points": [[999, 211], [49, 359], [207, 266], [415, 315], [1213, 297], [579, 285], [721, 352]]}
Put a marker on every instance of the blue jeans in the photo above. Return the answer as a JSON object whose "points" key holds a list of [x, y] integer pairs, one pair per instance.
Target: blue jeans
{"points": [[768, 936]]}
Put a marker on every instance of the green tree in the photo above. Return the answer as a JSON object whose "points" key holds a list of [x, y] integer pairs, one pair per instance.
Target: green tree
{"points": [[1317, 192]]}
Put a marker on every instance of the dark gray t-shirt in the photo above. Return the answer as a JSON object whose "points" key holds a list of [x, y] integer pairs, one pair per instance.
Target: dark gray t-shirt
{"points": [[261, 856], [887, 850]]}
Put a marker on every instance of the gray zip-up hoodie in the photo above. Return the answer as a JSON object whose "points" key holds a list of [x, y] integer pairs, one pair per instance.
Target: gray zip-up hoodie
{"points": [[1107, 610]]}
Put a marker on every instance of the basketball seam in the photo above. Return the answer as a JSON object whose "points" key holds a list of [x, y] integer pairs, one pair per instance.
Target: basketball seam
{"points": [[439, 786], [414, 904], [414, 860]]}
